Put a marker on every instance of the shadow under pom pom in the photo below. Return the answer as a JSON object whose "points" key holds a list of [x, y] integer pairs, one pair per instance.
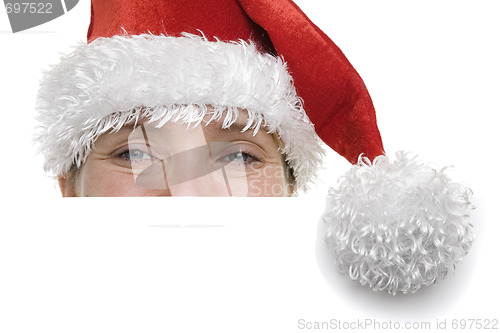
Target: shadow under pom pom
{"points": [[398, 225]]}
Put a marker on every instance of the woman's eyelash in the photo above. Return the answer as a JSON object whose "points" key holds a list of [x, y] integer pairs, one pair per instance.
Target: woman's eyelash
{"points": [[133, 154], [240, 156]]}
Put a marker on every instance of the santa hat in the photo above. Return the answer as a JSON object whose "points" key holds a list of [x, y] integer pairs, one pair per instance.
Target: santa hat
{"points": [[170, 59]]}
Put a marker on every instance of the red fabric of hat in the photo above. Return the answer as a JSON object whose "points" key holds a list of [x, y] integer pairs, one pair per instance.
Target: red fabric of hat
{"points": [[335, 97], [223, 19]]}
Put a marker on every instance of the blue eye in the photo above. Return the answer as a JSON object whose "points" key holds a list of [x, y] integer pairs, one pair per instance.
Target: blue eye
{"points": [[135, 155], [239, 157]]}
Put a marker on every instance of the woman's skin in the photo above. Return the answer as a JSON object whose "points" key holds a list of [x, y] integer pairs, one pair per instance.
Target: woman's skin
{"points": [[177, 160]]}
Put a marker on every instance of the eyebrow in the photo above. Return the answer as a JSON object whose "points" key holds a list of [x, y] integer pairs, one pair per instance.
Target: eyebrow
{"points": [[237, 126]]}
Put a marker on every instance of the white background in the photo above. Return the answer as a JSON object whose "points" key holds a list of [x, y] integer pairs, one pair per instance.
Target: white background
{"points": [[253, 265]]}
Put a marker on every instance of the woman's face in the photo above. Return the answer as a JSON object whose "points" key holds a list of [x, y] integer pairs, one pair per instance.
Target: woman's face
{"points": [[178, 160]]}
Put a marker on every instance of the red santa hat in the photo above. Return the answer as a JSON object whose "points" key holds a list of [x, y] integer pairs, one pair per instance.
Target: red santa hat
{"points": [[170, 59], [265, 57]]}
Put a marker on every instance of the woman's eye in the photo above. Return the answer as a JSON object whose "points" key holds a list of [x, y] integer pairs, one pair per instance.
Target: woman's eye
{"points": [[135, 155], [239, 157]]}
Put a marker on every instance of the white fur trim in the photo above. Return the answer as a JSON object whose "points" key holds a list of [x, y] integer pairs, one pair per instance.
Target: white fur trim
{"points": [[105, 84], [398, 226]]}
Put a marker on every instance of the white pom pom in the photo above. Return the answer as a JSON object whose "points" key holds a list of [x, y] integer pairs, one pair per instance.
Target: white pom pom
{"points": [[398, 226]]}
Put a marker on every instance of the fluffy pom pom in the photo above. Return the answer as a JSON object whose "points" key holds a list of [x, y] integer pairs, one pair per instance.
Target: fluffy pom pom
{"points": [[398, 226]]}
